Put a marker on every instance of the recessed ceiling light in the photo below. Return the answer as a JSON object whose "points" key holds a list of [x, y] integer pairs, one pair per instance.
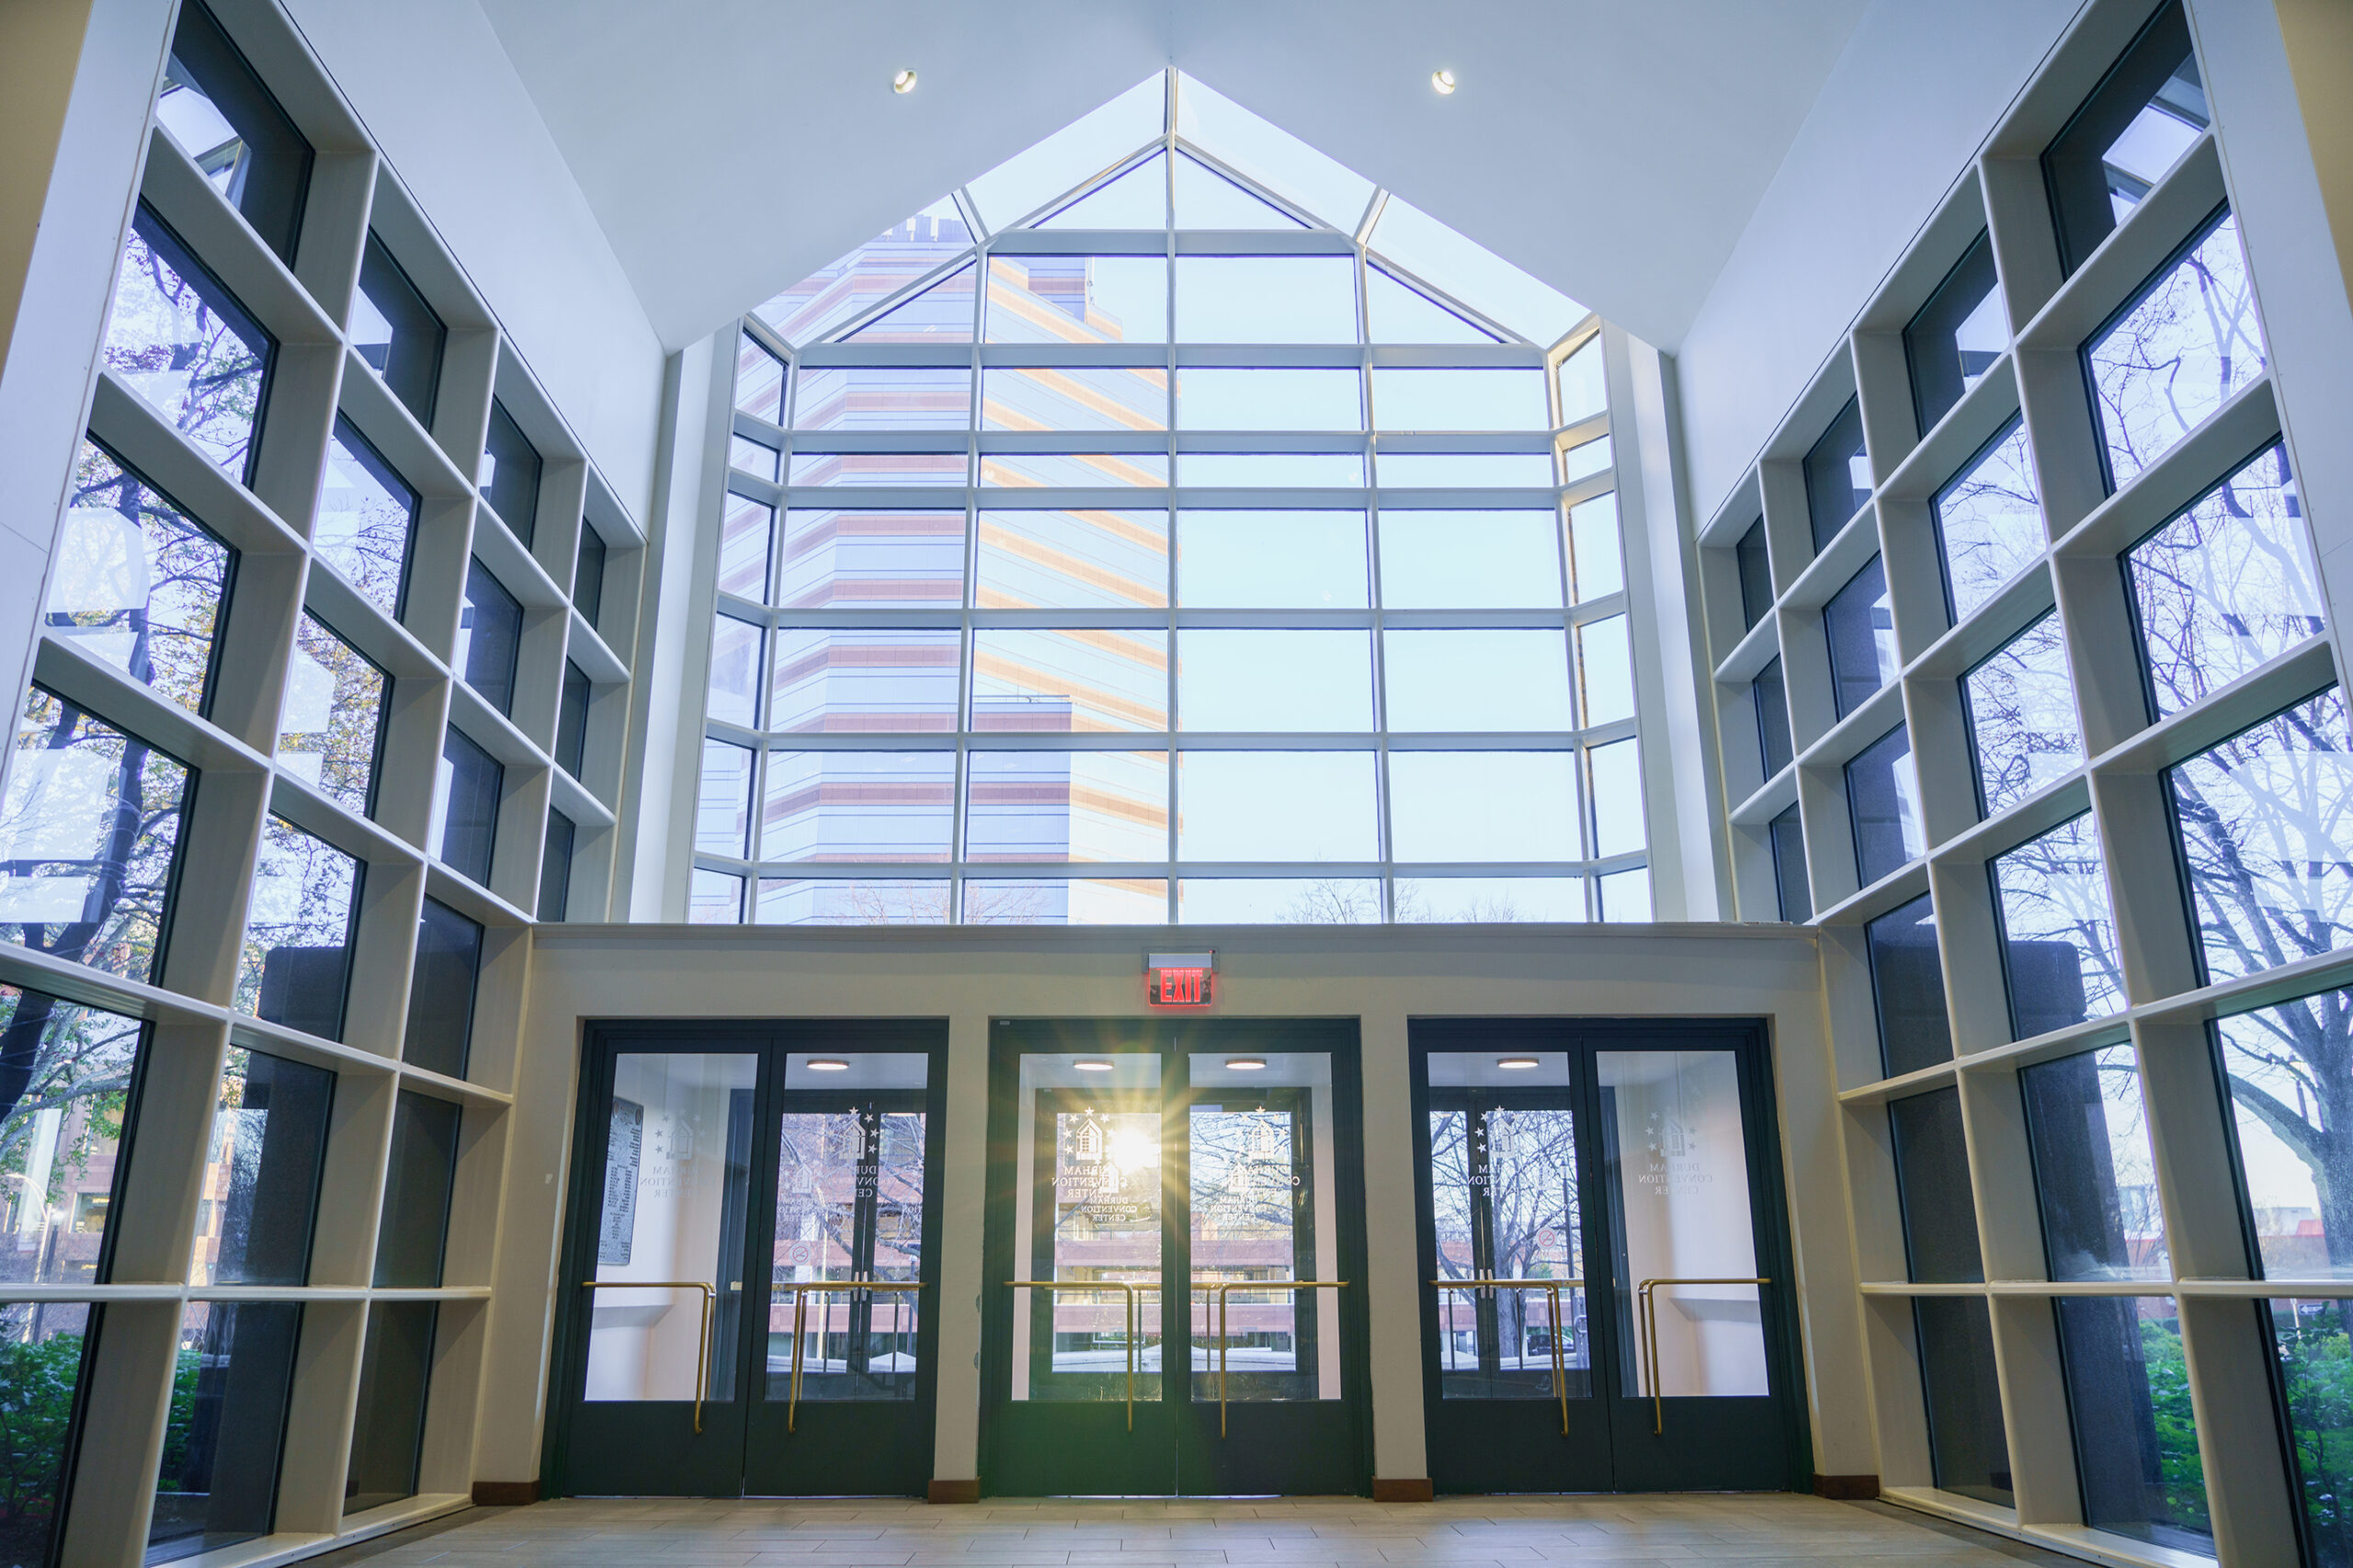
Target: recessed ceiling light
{"points": [[1094, 1063], [904, 82], [1442, 80], [1245, 1065], [1517, 1064], [826, 1064]]}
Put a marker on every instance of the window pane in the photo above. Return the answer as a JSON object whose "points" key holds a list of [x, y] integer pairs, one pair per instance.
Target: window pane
{"points": [[388, 1441], [887, 470], [1989, 521], [1594, 543], [1050, 901], [1772, 700], [1463, 471], [887, 559], [1861, 630], [724, 806], [863, 901], [1883, 794], [510, 474], [418, 1183], [471, 782], [179, 340], [1271, 156], [1625, 896], [1794, 895], [1272, 561], [881, 397], [1084, 471], [1458, 400], [872, 272], [216, 108], [1066, 805], [1266, 299], [1070, 680], [1482, 805], [333, 722], [1284, 805], [261, 1172], [490, 634], [1081, 558], [1101, 139], [1136, 199], [840, 680], [735, 672], [298, 935], [2266, 840], [71, 1072], [43, 1373], [2136, 1440], [1968, 1449], [396, 332], [1605, 672], [89, 835], [1933, 1188], [1233, 398], [555, 866], [572, 719], [1756, 576], [366, 520], [1075, 397], [714, 898], [1585, 460], [138, 584], [1583, 390], [1273, 680], [1617, 821], [2312, 1341], [2143, 117], [1957, 336], [226, 1430], [1078, 298], [941, 313], [1837, 475], [1338, 471], [2021, 705], [858, 806], [1396, 311], [1474, 680], [2225, 587], [745, 529], [588, 575], [1277, 900], [759, 380], [1489, 900], [2058, 935], [440, 1035], [1472, 273], [2176, 354], [1908, 989], [1469, 561], [1205, 200], [2094, 1177], [2281, 1065]]}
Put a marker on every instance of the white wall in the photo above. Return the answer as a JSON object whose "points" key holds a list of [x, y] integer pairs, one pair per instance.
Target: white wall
{"points": [[1383, 976], [1919, 88], [434, 87]]}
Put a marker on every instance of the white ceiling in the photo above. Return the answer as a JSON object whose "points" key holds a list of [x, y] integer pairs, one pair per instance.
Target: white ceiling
{"points": [[1617, 151]]}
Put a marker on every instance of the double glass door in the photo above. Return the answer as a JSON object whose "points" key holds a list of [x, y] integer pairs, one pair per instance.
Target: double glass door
{"points": [[1175, 1298], [1607, 1292], [750, 1254]]}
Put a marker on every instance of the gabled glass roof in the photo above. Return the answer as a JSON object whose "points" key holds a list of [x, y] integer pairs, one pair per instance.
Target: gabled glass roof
{"points": [[1170, 140]]}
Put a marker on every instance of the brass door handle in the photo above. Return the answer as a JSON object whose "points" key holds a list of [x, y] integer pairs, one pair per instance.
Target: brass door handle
{"points": [[1221, 1287], [1646, 1300], [1131, 1321], [800, 1294], [1552, 1289], [702, 1352]]}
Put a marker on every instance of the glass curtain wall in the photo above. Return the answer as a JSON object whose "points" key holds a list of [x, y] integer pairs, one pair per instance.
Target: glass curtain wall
{"points": [[1148, 532]]}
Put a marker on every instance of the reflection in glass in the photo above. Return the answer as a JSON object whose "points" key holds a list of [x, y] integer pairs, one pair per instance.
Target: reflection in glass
{"points": [[1860, 627], [1338, 471], [2136, 1437], [2094, 1176], [572, 719], [1257, 680], [1474, 561], [1089, 558], [1933, 1188], [714, 898], [2021, 705], [366, 520], [2265, 833], [1605, 672], [395, 332], [2058, 932], [2176, 354], [1082, 470], [1288, 560], [837, 558], [510, 474], [1989, 521], [89, 838], [735, 672], [331, 725], [1772, 700], [1075, 679], [1279, 901], [1485, 399], [2226, 586], [490, 637], [849, 1206], [1884, 796], [388, 1436], [857, 282], [754, 458], [40, 1379], [226, 1432], [261, 1172], [759, 380], [138, 583], [1969, 1449], [858, 806], [723, 805], [1617, 796], [297, 957], [2144, 115], [1526, 805], [1489, 900], [1071, 397], [1756, 576], [1234, 398], [1276, 805], [1266, 299], [179, 340], [1060, 901], [217, 109], [1957, 336], [1076, 299], [2290, 1106], [1908, 989], [465, 825], [1495, 680], [745, 529], [555, 866], [814, 466], [847, 901], [838, 680], [1837, 475], [881, 397], [2312, 1341], [440, 1031], [588, 574], [66, 1073], [417, 1183], [1786, 838], [1065, 805]]}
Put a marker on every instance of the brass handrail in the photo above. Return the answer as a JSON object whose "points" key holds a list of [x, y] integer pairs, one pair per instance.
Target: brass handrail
{"points": [[1646, 1301], [1221, 1287], [1132, 1320], [702, 1353], [1551, 1287], [800, 1294]]}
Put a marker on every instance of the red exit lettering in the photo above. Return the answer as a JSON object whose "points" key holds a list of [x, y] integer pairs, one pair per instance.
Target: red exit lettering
{"points": [[1180, 988]]}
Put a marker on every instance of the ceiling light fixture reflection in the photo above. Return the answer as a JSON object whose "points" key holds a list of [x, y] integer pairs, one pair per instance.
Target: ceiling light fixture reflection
{"points": [[1093, 1063], [1443, 80], [904, 82], [826, 1064], [1517, 1064], [1245, 1065]]}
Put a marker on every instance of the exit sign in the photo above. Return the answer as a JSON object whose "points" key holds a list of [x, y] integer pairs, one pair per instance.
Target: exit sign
{"points": [[1180, 980]]}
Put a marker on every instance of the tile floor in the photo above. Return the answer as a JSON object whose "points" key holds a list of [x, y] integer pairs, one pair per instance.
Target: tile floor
{"points": [[1756, 1530]]}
